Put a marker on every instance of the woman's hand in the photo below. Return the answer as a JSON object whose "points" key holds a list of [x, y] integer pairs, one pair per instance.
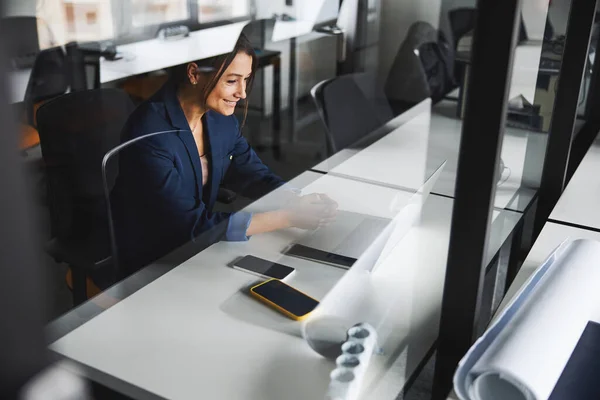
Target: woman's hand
{"points": [[310, 211], [306, 212]]}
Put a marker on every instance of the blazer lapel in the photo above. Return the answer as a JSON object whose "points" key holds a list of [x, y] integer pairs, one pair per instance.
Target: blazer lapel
{"points": [[179, 121], [212, 133]]}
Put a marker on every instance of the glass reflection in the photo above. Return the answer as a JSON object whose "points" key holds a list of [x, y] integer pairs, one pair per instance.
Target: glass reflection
{"points": [[352, 108]]}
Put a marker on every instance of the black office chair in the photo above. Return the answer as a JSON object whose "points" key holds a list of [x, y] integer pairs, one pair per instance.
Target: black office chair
{"points": [[48, 79], [259, 32], [23, 46], [76, 130], [350, 107], [422, 68]]}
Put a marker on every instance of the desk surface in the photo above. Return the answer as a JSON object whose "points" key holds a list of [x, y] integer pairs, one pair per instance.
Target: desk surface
{"points": [[193, 330], [156, 54], [416, 146], [552, 235], [578, 203]]}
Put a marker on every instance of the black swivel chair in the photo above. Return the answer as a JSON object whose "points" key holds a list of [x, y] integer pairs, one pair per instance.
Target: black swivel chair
{"points": [[56, 71], [76, 130], [23, 46], [350, 109], [49, 78]]}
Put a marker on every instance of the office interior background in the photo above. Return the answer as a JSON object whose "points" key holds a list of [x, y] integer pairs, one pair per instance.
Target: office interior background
{"points": [[367, 101]]}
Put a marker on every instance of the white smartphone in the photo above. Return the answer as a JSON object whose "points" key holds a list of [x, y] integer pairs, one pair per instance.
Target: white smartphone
{"points": [[263, 268]]}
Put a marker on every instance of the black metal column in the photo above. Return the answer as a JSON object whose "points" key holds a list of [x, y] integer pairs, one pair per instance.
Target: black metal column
{"points": [[292, 110], [276, 145], [482, 133], [554, 174]]}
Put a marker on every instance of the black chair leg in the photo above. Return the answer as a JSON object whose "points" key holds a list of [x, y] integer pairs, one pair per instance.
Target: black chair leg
{"points": [[79, 286]]}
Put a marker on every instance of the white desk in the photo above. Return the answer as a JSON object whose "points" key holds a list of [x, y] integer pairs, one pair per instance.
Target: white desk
{"points": [[194, 333], [578, 204], [416, 146], [551, 236], [155, 54], [152, 55]]}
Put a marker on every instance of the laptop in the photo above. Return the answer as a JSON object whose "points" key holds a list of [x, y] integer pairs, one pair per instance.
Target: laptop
{"points": [[362, 232]]}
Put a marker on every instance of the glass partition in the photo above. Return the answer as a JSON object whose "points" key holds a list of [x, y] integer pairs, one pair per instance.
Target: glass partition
{"points": [[327, 142]]}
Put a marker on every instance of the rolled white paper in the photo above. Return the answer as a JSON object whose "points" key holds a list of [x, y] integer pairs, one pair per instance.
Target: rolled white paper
{"points": [[522, 355]]}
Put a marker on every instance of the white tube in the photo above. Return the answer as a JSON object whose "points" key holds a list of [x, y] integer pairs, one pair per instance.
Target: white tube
{"points": [[522, 355]]}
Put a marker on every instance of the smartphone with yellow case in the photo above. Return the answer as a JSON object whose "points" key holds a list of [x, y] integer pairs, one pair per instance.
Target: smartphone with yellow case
{"points": [[284, 298]]}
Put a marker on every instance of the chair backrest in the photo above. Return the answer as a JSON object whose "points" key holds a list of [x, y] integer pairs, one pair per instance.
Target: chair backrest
{"points": [[437, 61], [49, 75], [259, 32], [49, 78], [424, 62], [350, 107], [76, 130], [23, 45], [406, 80], [125, 195]]}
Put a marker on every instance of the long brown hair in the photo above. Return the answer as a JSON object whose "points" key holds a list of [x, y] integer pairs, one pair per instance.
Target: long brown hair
{"points": [[216, 66]]}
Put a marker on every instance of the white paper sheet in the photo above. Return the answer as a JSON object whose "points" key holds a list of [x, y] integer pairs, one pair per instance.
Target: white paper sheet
{"points": [[522, 355]]}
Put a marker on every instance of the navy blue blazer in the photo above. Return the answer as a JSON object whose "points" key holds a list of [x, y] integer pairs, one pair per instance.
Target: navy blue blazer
{"points": [[158, 198]]}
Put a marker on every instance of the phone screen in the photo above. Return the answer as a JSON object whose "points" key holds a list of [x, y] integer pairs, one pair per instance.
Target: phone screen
{"points": [[310, 253], [264, 267], [286, 297]]}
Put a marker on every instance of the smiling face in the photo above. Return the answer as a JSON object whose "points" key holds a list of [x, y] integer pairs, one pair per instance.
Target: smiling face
{"points": [[231, 87]]}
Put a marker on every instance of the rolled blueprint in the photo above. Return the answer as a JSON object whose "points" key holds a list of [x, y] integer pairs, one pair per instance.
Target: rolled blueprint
{"points": [[524, 352]]}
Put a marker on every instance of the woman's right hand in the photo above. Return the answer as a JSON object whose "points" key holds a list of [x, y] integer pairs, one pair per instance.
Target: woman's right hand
{"points": [[311, 211]]}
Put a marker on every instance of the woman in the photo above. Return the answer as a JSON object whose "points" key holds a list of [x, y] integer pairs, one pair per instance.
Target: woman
{"points": [[167, 184]]}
